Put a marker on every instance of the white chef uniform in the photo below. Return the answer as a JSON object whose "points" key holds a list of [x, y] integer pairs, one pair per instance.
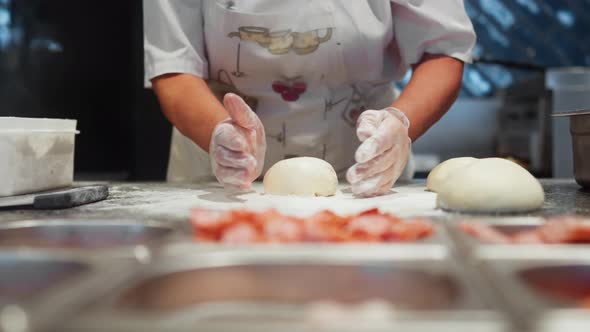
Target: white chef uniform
{"points": [[312, 66]]}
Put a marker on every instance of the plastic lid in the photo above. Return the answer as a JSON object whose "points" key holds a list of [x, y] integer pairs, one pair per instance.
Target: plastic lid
{"points": [[568, 78], [13, 124]]}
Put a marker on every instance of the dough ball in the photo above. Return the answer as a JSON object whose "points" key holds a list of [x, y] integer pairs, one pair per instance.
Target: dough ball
{"points": [[304, 176], [491, 185], [439, 174]]}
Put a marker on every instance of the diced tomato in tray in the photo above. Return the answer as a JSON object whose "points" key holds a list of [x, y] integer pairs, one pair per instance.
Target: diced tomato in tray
{"points": [[243, 226], [557, 230]]}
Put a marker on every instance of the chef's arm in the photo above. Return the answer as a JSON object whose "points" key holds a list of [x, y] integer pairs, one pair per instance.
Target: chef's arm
{"points": [[433, 88], [189, 104]]}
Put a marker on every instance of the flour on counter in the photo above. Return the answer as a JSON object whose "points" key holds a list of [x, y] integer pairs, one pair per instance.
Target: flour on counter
{"points": [[174, 201]]}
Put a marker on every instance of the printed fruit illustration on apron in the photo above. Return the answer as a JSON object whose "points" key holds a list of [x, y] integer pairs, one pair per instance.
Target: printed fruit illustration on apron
{"points": [[284, 41], [289, 88], [279, 43]]}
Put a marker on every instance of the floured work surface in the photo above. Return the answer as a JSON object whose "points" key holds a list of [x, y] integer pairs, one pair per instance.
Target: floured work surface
{"points": [[174, 202]]}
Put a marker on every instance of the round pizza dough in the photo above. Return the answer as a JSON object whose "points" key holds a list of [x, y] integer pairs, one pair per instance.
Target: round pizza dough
{"points": [[490, 186], [439, 174], [303, 176]]}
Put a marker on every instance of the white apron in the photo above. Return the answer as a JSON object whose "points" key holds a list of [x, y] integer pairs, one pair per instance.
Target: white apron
{"points": [[309, 69]]}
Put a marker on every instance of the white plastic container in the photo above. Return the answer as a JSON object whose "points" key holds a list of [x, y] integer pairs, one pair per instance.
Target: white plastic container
{"points": [[35, 154]]}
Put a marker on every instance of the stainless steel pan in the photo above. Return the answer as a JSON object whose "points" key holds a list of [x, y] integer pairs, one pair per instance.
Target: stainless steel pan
{"points": [[580, 130]]}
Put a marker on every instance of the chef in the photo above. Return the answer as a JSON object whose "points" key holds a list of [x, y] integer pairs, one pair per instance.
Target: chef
{"points": [[247, 83]]}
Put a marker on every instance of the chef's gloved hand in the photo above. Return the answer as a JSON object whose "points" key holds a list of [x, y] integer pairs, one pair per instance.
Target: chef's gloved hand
{"points": [[238, 146], [383, 154]]}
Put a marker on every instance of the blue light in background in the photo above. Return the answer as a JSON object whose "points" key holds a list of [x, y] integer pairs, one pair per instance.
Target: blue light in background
{"points": [[46, 44], [478, 51], [499, 75], [475, 83], [499, 12], [407, 77], [4, 31], [547, 33], [566, 18], [499, 36], [530, 5], [5, 35], [4, 17], [54, 47], [471, 10], [401, 84]]}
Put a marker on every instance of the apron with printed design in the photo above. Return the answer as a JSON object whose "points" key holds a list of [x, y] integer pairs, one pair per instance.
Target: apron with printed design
{"points": [[292, 65]]}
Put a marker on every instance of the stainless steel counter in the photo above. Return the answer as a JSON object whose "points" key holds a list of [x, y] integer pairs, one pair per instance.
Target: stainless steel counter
{"points": [[132, 262]]}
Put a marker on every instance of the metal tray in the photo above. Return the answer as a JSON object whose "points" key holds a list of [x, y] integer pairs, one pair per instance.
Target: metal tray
{"points": [[508, 225], [263, 289], [38, 291], [541, 288], [88, 235], [580, 131], [471, 246]]}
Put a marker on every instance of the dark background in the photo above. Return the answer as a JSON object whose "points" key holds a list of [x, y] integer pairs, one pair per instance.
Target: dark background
{"points": [[84, 60]]}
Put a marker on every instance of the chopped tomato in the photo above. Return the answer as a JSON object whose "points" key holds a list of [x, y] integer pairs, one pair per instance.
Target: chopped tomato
{"points": [[370, 227], [241, 233], [206, 219], [284, 229], [566, 229], [527, 237], [484, 232], [412, 230], [557, 230], [243, 226], [326, 226], [204, 236]]}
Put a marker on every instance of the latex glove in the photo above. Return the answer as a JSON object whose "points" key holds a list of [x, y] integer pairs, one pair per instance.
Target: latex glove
{"points": [[383, 154], [238, 146]]}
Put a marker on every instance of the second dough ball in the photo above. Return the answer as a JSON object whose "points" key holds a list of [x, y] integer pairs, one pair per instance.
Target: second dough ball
{"points": [[489, 186], [303, 176], [439, 174]]}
